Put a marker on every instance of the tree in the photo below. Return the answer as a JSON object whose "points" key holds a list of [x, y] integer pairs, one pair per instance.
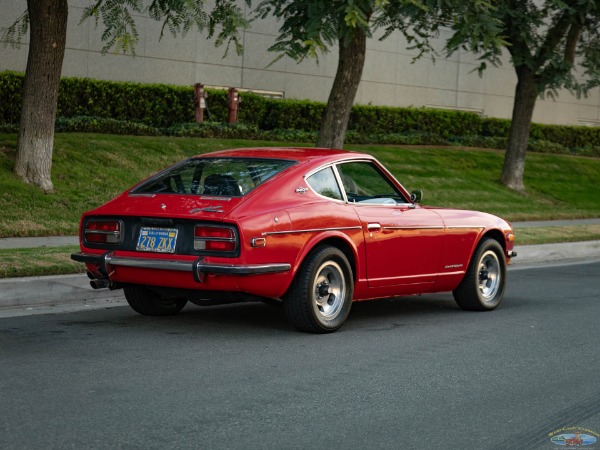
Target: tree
{"points": [[311, 27], [553, 44], [47, 20]]}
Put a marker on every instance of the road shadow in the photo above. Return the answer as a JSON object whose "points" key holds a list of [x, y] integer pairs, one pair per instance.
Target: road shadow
{"points": [[253, 317]]}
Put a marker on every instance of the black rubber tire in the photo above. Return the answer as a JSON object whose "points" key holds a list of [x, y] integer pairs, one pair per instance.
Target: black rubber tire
{"points": [[148, 303], [482, 288], [309, 304]]}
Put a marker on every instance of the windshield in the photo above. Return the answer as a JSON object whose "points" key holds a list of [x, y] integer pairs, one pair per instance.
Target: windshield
{"points": [[229, 177]]}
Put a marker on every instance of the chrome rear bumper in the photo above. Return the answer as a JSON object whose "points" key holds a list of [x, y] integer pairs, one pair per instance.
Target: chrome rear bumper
{"points": [[198, 267]]}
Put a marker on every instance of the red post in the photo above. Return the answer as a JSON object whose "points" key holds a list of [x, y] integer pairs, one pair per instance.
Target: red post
{"points": [[234, 104], [199, 101]]}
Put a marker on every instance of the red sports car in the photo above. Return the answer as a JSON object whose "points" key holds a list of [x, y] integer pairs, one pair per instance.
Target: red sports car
{"points": [[316, 229]]}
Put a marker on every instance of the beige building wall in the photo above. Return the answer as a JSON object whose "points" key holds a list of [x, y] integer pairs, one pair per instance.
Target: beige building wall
{"points": [[389, 78]]}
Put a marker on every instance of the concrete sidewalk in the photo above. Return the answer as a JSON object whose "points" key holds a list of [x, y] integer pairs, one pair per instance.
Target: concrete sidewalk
{"points": [[60, 290]]}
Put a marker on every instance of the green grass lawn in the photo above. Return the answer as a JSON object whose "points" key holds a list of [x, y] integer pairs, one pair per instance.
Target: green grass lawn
{"points": [[29, 262], [89, 169]]}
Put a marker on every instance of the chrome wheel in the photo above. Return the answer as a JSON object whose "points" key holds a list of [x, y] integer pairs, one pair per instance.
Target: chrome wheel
{"points": [[482, 287], [329, 290], [320, 297], [489, 276]]}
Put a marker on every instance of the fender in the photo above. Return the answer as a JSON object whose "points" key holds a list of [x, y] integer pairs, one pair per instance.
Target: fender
{"points": [[321, 237]]}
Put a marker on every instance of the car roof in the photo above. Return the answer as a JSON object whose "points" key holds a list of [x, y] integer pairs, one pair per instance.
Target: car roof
{"points": [[292, 153]]}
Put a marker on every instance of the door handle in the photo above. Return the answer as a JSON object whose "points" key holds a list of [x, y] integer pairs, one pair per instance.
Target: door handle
{"points": [[373, 227]]}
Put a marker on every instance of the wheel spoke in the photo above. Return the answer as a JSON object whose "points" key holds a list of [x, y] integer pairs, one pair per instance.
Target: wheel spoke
{"points": [[329, 290], [489, 276]]}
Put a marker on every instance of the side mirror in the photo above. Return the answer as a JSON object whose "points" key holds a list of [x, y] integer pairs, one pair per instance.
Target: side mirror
{"points": [[416, 196]]}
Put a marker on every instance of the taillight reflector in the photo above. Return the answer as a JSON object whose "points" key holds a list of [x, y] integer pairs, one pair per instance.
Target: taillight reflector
{"points": [[103, 231], [211, 238]]}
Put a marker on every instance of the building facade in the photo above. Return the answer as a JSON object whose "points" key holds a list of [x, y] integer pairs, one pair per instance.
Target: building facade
{"points": [[390, 76]]}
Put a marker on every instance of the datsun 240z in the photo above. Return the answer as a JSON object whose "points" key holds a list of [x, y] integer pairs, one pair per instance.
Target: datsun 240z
{"points": [[313, 228]]}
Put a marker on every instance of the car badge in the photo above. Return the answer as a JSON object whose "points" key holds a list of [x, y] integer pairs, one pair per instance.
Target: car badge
{"points": [[215, 209], [163, 206], [301, 190]]}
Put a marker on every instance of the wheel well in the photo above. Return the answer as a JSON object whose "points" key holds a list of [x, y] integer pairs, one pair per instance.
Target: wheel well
{"points": [[345, 248], [496, 235]]}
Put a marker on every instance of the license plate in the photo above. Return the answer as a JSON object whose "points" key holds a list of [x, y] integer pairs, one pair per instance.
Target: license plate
{"points": [[160, 240]]}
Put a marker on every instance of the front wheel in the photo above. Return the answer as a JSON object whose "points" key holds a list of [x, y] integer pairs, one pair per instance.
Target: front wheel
{"points": [[482, 288], [320, 296], [148, 303]]}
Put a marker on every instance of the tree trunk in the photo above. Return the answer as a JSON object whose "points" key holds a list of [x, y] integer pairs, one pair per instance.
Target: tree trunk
{"points": [[48, 31], [341, 98], [518, 138]]}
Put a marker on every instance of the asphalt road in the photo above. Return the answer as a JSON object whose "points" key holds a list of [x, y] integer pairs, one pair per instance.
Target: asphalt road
{"points": [[414, 373]]}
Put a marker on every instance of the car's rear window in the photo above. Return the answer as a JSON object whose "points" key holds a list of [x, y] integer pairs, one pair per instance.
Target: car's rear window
{"points": [[229, 177]]}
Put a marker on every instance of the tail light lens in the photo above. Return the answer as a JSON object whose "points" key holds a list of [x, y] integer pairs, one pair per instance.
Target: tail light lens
{"points": [[214, 239], [103, 231]]}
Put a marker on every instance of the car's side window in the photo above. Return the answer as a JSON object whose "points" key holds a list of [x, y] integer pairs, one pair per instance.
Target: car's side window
{"points": [[364, 183], [324, 183]]}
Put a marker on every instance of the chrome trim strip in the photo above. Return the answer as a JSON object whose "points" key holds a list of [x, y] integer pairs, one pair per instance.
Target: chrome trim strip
{"points": [[246, 269], [435, 227], [310, 230], [107, 233], [415, 227]]}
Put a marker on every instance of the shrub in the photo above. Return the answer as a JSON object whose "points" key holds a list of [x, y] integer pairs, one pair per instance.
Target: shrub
{"points": [[11, 86], [84, 124], [213, 130], [491, 126], [383, 119], [134, 108], [152, 104], [496, 142]]}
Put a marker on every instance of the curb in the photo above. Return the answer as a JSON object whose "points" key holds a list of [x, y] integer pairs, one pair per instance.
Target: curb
{"points": [[556, 253], [52, 291]]}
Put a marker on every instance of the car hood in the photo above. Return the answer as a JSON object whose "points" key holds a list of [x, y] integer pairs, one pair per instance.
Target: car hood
{"points": [[170, 205]]}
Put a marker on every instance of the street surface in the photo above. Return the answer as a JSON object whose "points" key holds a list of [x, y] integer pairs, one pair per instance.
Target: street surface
{"points": [[414, 373]]}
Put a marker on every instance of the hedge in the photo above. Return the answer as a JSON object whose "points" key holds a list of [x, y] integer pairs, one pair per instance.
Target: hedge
{"points": [[135, 108]]}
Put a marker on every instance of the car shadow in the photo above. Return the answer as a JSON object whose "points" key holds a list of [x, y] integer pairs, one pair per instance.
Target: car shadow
{"points": [[257, 316]]}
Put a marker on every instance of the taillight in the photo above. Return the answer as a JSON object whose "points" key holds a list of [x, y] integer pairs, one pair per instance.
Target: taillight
{"points": [[213, 238], [103, 231]]}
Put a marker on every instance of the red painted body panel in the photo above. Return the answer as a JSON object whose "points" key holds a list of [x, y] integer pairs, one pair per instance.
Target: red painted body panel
{"points": [[393, 249]]}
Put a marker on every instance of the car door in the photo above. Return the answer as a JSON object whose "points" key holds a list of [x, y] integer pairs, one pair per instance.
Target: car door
{"points": [[403, 241]]}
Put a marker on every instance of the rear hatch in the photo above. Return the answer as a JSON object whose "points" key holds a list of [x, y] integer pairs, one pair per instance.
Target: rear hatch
{"points": [[181, 209]]}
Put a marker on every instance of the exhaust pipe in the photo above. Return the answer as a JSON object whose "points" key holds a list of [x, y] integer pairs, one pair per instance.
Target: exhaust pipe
{"points": [[99, 284]]}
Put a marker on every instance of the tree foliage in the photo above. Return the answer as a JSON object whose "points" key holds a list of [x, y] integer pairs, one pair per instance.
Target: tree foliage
{"points": [[558, 40], [219, 18], [553, 45], [312, 27]]}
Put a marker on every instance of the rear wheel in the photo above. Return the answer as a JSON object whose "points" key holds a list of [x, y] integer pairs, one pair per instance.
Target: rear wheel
{"points": [[482, 288], [320, 296], [144, 301]]}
